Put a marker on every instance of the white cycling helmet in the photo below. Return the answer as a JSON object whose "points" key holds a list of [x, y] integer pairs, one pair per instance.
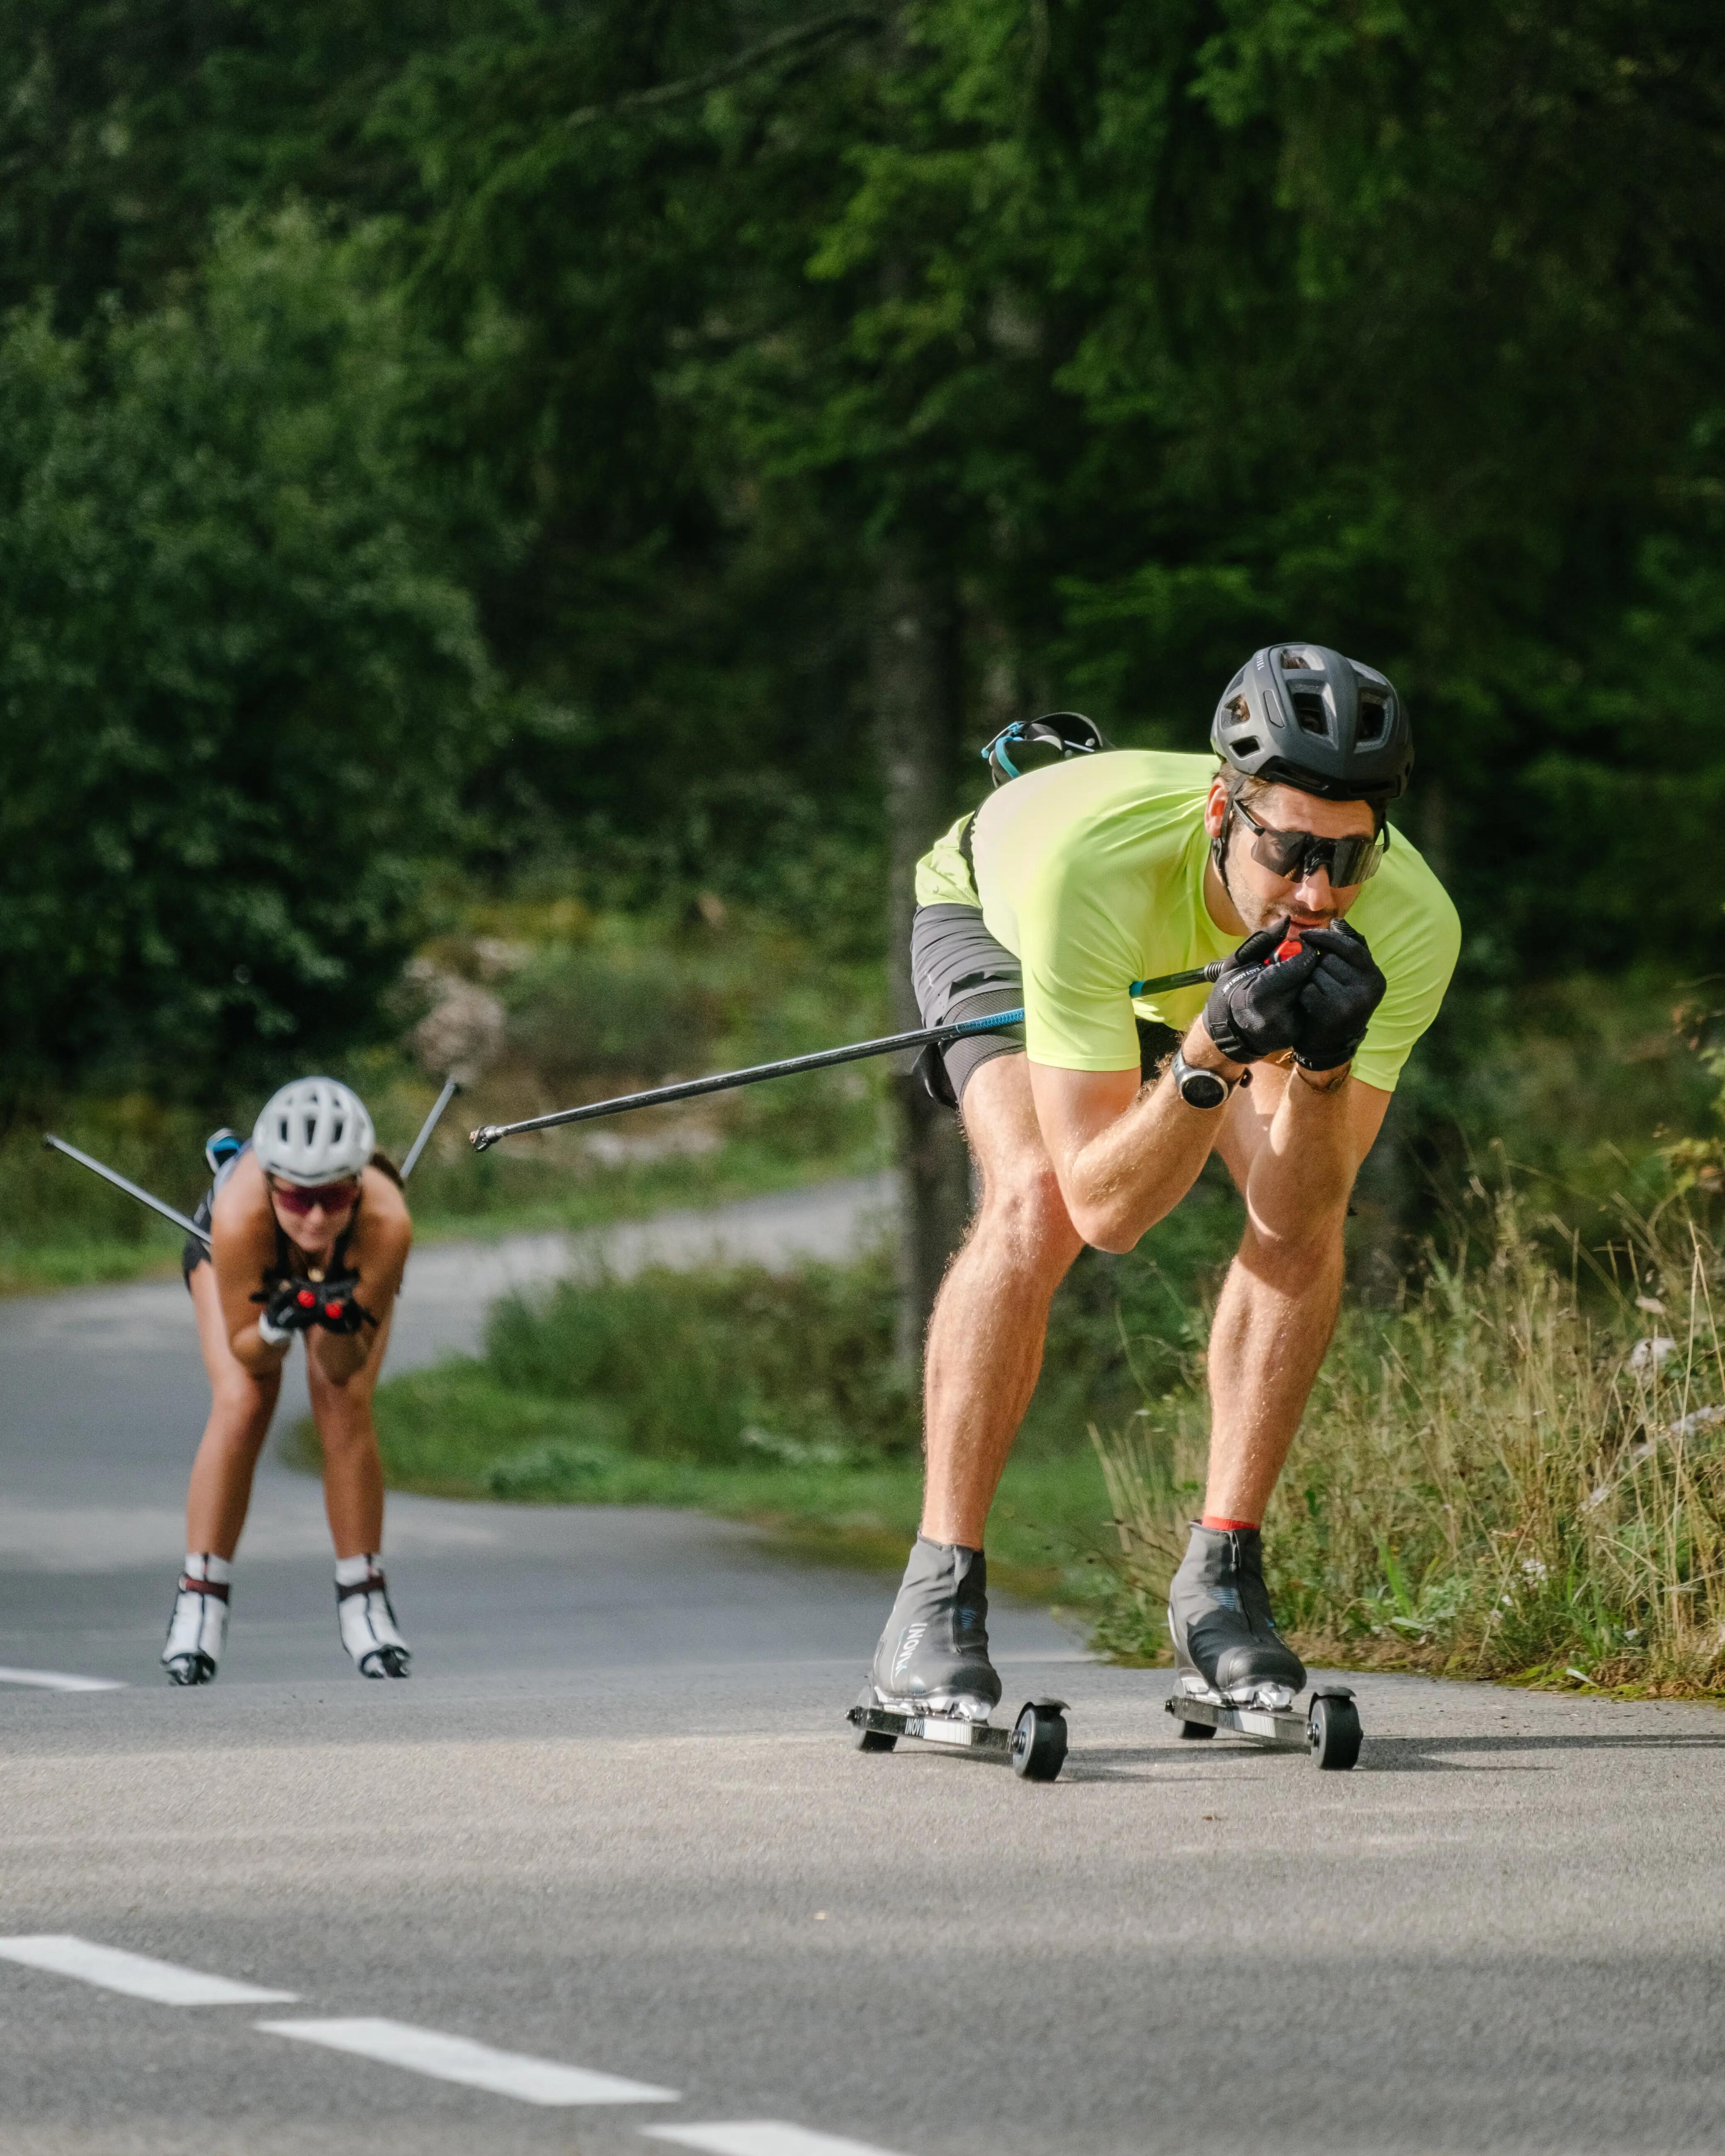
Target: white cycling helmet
{"points": [[312, 1131]]}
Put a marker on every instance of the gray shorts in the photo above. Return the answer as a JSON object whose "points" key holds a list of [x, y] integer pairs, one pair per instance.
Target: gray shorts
{"points": [[959, 970]]}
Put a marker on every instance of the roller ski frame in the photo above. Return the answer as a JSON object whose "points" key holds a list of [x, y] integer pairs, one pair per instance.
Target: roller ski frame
{"points": [[1328, 1728], [1034, 1747]]}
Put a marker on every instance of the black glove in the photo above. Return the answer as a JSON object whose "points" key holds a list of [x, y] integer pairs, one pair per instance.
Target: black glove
{"points": [[289, 1306], [1336, 1004], [337, 1308], [1253, 1009]]}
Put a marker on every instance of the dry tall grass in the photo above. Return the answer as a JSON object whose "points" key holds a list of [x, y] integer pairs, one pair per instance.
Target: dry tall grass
{"points": [[1519, 1473]]}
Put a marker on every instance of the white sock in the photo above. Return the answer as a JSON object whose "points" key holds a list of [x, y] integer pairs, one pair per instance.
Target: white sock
{"points": [[203, 1564], [350, 1571]]}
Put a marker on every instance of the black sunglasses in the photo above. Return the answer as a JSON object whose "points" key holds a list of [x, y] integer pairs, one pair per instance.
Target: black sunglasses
{"points": [[1298, 855]]}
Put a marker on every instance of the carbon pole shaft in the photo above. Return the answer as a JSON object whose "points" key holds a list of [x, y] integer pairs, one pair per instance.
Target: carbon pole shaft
{"points": [[452, 1087], [132, 1190], [824, 1059]]}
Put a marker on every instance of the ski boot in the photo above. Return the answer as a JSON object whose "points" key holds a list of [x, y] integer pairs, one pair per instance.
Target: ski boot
{"points": [[1227, 1649], [933, 1656], [367, 1622], [197, 1629]]}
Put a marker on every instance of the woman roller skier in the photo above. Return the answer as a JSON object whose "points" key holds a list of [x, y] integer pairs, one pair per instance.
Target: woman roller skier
{"points": [[1336, 943], [309, 1234]]}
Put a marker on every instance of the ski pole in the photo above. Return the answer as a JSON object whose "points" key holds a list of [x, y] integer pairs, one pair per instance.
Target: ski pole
{"points": [[452, 1087], [689, 1089], [52, 1144]]}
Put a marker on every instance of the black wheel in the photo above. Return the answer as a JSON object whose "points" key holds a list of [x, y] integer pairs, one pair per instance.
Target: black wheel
{"points": [[1334, 1729], [1039, 1744], [1195, 1729], [874, 1740]]}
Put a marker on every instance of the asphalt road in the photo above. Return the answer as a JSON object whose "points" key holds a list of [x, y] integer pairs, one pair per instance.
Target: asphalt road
{"points": [[613, 1824]]}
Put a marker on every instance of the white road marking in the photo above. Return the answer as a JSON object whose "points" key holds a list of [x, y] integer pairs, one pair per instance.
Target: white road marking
{"points": [[761, 2137], [139, 1976], [474, 2066], [58, 1681]]}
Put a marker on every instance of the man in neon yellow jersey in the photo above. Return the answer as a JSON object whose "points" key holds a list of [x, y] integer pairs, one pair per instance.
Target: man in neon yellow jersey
{"points": [[1067, 886]]}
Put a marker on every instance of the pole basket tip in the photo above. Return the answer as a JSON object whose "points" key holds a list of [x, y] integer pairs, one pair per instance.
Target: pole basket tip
{"points": [[486, 1135]]}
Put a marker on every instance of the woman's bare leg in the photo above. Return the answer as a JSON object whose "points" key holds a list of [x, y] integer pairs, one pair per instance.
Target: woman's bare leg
{"points": [[241, 1406]]}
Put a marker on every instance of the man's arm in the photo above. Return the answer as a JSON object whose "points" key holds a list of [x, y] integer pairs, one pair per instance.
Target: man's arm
{"points": [[1125, 1156], [1124, 1153]]}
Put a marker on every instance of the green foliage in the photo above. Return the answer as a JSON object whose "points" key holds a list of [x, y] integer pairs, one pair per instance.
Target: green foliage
{"points": [[239, 688], [623, 358]]}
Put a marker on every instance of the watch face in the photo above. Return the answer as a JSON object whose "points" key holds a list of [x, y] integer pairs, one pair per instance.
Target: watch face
{"points": [[1202, 1089]]}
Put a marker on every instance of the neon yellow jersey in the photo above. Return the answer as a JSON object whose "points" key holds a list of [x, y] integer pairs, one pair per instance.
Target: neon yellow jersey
{"points": [[1091, 872]]}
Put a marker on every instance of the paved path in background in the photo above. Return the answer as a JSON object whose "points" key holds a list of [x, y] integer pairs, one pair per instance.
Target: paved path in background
{"points": [[609, 1860]]}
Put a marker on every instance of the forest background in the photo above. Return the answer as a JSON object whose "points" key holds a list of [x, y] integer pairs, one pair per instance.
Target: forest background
{"points": [[563, 491]]}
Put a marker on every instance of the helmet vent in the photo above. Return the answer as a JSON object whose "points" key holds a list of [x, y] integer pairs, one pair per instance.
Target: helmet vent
{"points": [[1372, 719], [1239, 711], [1244, 745], [1309, 711]]}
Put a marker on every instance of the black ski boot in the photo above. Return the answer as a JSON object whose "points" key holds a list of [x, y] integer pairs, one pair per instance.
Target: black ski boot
{"points": [[933, 1656], [1226, 1646]]}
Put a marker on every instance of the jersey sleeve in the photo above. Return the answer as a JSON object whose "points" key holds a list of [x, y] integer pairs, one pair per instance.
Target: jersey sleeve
{"points": [[1077, 968], [1417, 949]]}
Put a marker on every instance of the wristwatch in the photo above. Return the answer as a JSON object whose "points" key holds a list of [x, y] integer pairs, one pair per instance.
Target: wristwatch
{"points": [[1197, 1088]]}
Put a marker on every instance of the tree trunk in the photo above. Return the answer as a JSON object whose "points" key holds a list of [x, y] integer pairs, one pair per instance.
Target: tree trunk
{"points": [[914, 686]]}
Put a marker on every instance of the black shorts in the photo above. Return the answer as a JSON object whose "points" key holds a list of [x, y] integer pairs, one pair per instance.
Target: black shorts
{"points": [[959, 970], [193, 1254]]}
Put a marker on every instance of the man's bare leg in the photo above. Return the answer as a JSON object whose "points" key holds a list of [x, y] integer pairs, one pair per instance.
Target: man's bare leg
{"points": [[985, 1340], [1293, 1153]]}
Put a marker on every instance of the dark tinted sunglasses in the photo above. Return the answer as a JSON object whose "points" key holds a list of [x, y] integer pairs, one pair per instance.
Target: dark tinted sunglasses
{"points": [[325, 1197], [1298, 854]]}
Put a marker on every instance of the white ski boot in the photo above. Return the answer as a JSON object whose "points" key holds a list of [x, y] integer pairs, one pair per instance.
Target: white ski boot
{"points": [[368, 1623], [197, 1629]]}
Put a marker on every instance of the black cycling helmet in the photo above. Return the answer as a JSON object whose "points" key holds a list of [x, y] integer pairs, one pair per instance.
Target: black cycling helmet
{"points": [[1301, 714]]}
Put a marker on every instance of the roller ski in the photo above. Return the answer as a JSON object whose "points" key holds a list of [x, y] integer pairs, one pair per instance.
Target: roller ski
{"points": [[931, 1679], [369, 1631], [1234, 1671]]}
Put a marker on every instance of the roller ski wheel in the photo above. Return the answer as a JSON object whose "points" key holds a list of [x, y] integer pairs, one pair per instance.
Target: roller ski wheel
{"points": [[1332, 1731], [1038, 1741], [1034, 1747]]}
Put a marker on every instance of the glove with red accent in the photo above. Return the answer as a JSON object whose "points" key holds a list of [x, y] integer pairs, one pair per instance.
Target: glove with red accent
{"points": [[338, 1308], [1253, 1009], [1337, 1004], [291, 1306]]}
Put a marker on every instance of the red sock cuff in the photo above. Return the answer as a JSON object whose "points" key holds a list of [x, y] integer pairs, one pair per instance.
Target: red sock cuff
{"points": [[1217, 1525]]}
